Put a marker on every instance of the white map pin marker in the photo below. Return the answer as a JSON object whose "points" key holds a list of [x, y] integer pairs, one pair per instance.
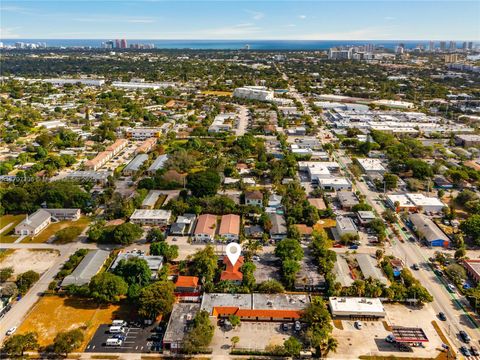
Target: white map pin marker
{"points": [[233, 251]]}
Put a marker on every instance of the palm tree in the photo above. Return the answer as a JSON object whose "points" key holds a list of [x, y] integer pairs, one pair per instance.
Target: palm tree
{"points": [[330, 344]]}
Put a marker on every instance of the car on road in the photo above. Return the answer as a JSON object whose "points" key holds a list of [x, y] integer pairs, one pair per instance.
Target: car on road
{"points": [[353, 247], [474, 351], [464, 336], [465, 351], [415, 267], [256, 258], [411, 238], [358, 325], [451, 287], [442, 316], [11, 330]]}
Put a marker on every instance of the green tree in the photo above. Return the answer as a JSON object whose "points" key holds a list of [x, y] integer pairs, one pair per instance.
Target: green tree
{"points": [[471, 228], [169, 252], [290, 268], [289, 249], [292, 346], [5, 274], [271, 287], [390, 181], [456, 272], [156, 299], [134, 270], [126, 233], [26, 280], [16, 345], [107, 287], [234, 320], [201, 333], [67, 341], [235, 340], [203, 183], [204, 264], [155, 234]]}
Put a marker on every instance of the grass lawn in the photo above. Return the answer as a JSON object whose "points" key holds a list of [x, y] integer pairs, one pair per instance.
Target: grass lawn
{"points": [[53, 314], [9, 221], [5, 252], [324, 224], [54, 227]]}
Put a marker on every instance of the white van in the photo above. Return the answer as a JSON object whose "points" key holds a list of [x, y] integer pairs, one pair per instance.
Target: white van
{"points": [[119, 323], [114, 342], [116, 330]]}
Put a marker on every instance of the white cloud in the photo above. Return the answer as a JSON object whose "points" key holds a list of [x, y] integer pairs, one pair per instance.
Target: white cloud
{"points": [[303, 17], [256, 15], [9, 32]]}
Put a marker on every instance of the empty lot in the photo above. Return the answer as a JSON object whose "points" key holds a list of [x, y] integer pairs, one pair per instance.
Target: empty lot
{"points": [[23, 260]]}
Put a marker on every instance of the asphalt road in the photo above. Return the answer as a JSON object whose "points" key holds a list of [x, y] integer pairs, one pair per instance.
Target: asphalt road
{"points": [[455, 306]]}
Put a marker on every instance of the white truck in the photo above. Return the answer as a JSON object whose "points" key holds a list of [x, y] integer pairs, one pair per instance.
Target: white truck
{"points": [[114, 342]]}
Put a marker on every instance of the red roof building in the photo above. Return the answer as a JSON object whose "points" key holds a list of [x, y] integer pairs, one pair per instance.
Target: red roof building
{"points": [[232, 272]]}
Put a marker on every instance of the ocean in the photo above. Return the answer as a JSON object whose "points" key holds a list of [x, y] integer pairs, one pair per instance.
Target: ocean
{"points": [[280, 45]]}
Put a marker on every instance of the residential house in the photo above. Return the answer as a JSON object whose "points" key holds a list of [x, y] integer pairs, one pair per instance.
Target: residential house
{"points": [[254, 198], [230, 227], [157, 217], [205, 229], [232, 271]]}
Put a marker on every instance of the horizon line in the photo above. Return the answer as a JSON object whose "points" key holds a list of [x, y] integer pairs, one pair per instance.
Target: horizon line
{"points": [[213, 39]]}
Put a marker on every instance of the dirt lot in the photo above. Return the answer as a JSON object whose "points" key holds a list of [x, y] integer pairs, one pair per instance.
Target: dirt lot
{"points": [[370, 340], [23, 260], [53, 314]]}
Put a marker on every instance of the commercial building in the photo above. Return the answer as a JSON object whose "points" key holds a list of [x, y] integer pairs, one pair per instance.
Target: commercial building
{"points": [[132, 85], [90, 265], [229, 227], [158, 217], [151, 199], [223, 122], [345, 226], [260, 93], [472, 266], [64, 214], [356, 307], [365, 217], [181, 319], [100, 177], [135, 165], [414, 201], [62, 82], [370, 166], [205, 229], [428, 231], [33, 224], [347, 199], [255, 307]]}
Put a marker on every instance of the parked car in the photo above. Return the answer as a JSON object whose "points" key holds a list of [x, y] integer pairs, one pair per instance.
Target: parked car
{"points": [[411, 238], [256, 258], [464, 336], [390, 339], [285, 327], [465, 351], [451, 287], [474, 351], [11, 330], [442, 316], [298, 326], [415, 267], [358, 325], [353, 247]]}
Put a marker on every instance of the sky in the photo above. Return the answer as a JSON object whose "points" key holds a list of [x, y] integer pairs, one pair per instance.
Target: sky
{"points": [[241, 20]]}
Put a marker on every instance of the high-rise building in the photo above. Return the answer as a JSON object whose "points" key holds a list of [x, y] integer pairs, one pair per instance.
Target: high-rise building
{"points": [[443, 46], [123, 43], [117, 44], [400, 48], [431, 46], [470, 45], [452, 46], [464, 46]]}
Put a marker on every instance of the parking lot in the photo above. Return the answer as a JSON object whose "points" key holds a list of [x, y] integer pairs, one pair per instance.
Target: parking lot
{"points": [[267, 267], [136, 340], [252, 335], [370, 340]]}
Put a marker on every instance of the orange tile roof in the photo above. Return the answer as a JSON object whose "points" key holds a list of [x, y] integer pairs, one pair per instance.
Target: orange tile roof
{"points": [[187, 281], [230, 224], [232, 272], [304, 229], [206, 224]]}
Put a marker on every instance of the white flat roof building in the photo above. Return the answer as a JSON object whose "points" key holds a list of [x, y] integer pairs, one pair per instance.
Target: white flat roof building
{"points": [[260, 93], [356, 307], [371, 165], [335, 183], [151, 217], [415, 201]]}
